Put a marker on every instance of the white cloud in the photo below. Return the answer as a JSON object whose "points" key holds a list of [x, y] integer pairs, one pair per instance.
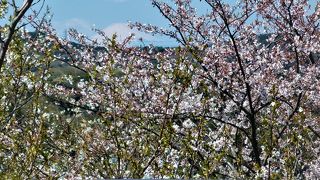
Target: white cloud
{"points": [[77, 23], [122, 30]]}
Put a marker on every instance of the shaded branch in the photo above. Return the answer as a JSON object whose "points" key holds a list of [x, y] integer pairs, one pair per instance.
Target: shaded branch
{"points": [[12, 28]]}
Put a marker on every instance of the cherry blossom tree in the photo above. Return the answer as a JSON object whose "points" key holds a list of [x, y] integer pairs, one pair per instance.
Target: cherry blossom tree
{"points": [[18, 13], [225, 103], [263, 91], [25, 59]]}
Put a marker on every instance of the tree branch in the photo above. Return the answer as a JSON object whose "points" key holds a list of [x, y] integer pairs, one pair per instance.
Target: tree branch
{"points": [[12, 28]]}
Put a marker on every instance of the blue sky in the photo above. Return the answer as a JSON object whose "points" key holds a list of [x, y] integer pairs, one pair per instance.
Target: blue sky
{"points": [[109, 15]]}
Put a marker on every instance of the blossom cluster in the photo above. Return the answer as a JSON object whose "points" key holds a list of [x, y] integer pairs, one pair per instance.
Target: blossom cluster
{"points": [[238, 98]]}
